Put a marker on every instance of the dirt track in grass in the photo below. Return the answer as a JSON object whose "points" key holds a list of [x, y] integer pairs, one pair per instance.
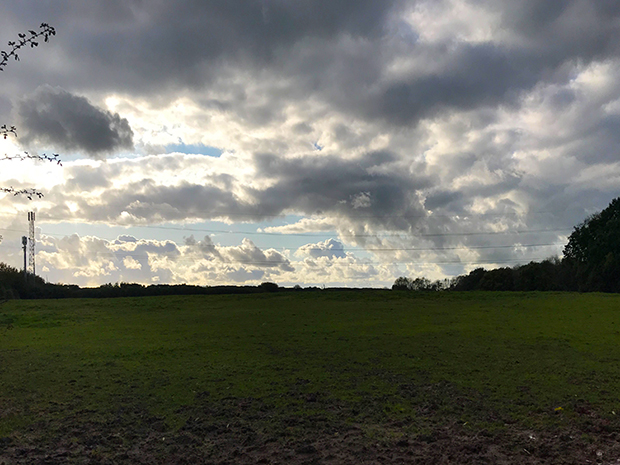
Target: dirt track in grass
{"points": [[246, 431]]}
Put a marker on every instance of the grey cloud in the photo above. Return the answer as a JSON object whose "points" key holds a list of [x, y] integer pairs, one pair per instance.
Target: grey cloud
{"points": [[247, 253], [145, 199], [564, 28], [125, 238], [54, 117], [86, 178], [241, 275], [302, 128], [441, 199], [164, 248], [366, 186], [153, 44], [328, 184], [477, 76], [601, 144], [5, 108], [149, 201], [551, 38], [206, 247]]}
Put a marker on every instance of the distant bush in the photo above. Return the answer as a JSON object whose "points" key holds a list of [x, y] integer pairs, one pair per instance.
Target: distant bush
{"points": [[269, 287], [419, 284], [401, 284]]}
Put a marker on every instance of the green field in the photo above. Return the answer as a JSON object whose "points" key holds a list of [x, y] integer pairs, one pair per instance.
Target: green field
{"points": [[382, 368]]}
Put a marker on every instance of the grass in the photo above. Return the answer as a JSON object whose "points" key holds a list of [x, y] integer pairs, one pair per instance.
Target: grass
{"points": [[485, 359]]}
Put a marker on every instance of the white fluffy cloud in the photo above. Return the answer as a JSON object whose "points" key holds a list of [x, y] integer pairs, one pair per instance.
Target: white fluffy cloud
{"points": [[90, 261]]}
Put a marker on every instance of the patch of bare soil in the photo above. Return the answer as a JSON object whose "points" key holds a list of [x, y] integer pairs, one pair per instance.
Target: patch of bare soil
{"points": [[246, 431]]}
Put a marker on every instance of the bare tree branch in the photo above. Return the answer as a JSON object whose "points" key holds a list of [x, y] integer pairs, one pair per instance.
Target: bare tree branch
{"points": [[30, 193], [27, 156], [5, 131], [31, 38]]}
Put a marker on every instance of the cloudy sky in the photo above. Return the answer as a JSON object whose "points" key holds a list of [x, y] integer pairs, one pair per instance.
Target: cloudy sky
{"points": [[312, 142]]}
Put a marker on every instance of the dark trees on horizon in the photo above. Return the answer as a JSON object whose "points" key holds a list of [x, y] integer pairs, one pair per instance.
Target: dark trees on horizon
{"points": [[591, 263]]}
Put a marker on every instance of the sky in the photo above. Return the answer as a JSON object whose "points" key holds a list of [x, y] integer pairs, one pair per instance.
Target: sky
{"points": [[310, 142]]}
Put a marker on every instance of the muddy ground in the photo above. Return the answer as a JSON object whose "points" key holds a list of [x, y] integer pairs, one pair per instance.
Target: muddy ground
{"points": [[248, 431]]}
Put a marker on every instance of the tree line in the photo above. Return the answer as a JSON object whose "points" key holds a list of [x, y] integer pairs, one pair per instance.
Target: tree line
{"points": [[549, 275], [13, 285], [591, 263]]}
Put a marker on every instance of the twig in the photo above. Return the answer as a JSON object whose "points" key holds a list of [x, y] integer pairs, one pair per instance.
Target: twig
{"points": [[24, 39], [27, 156], [30, 193], [6, 130]]}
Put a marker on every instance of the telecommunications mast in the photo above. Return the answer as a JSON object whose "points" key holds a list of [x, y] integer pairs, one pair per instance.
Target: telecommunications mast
{"points": [[31, 243]]}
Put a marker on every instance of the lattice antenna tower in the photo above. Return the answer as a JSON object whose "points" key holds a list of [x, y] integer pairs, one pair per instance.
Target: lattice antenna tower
{"points": [[31, 243]]}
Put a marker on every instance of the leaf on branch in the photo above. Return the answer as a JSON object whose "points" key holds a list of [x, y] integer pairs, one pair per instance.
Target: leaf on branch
{"points": [[45, 31], [5, 130]]}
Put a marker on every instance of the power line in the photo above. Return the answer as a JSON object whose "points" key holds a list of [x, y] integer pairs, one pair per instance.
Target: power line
{"points": [[288, 262], [267, 215], [394, 249], [514, 246], [399, 249], [409, 249], [320, 234], [462, 215]]}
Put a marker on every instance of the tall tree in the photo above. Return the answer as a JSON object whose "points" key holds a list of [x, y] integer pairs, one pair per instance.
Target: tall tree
{"points": [[25, 40], [593, 250]]}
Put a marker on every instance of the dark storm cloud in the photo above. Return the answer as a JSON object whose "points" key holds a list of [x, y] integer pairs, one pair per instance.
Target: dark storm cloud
{"points": [[329, 184], [147, 200], [441, 199], [182, 42], [548, 36], [52, 117], [155, 48], [564, 28], [474, 76]]}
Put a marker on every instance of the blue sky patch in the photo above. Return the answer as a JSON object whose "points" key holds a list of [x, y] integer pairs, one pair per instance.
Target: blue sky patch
{"points": [[194, 149]]}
